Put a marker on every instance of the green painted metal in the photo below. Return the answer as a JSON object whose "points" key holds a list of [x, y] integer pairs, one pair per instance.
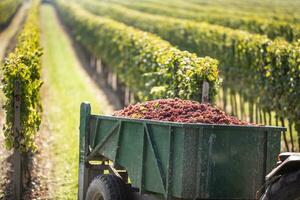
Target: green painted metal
{"points": [[83, 176], [187, 161]]}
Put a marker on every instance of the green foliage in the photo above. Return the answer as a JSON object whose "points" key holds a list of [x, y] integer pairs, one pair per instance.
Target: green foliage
{"points": [[261, 70], [23, 65], [148, 65], [7, 10], [281, 10], [256, 24]]}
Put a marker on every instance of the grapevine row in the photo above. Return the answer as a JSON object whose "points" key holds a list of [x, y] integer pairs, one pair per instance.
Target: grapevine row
{"points": [[23, 66], [145, 63], [256, 24], [7, 10], [256, 6], [263, 71], [271, 12]]}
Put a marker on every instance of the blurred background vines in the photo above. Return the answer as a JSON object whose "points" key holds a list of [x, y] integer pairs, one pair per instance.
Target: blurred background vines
{"points": [[7, 10], [259, 67]]}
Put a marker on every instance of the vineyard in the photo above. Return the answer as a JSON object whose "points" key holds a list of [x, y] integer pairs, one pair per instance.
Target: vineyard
{"points": [[222, 62], [266, 66]]}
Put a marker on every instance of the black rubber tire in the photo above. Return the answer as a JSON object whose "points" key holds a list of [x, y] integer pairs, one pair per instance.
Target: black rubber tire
{"points": [[107, 187], [287, 187]]}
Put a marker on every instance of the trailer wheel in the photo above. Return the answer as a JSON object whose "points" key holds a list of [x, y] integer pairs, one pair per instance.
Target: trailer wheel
{"points": [[107, 187], [286, 188]]}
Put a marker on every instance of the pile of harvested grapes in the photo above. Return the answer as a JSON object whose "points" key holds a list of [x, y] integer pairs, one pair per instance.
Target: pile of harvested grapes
{"points": [[177, 110]]}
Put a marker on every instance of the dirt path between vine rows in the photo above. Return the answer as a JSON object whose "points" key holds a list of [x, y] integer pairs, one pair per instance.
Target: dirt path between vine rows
{"points": [[49, 178], [11, 30], [66, 84], [6, 37]]}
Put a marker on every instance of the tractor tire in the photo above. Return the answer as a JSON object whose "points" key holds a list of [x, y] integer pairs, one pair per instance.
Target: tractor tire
{"points": [[107, 187], [287, 187]]}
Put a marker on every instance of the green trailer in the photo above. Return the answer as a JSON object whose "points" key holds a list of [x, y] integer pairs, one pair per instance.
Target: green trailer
{"points": [[168, 160]]}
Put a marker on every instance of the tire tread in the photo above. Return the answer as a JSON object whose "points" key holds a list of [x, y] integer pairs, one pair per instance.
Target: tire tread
{"points": [[115, 188]]}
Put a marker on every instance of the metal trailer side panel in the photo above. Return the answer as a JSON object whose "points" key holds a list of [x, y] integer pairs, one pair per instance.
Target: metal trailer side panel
{"points": [[85, 111], [145, 150], [231, 163], [185, 161]]}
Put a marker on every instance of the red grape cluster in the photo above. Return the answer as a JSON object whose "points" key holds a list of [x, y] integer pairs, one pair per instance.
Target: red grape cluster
{"points": [[177, 110]]}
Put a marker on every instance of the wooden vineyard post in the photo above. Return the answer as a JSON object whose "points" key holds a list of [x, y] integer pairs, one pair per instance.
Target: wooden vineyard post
{"points": [[205, 92], [17, 156]]}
